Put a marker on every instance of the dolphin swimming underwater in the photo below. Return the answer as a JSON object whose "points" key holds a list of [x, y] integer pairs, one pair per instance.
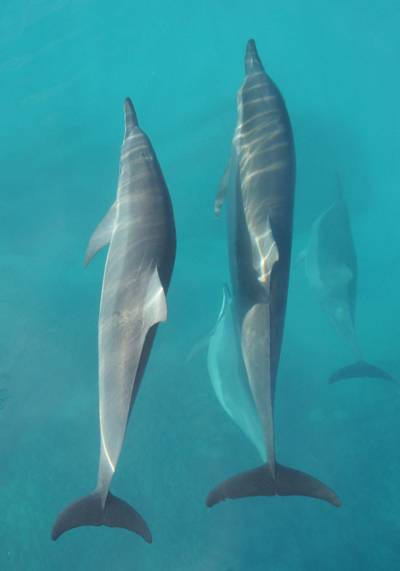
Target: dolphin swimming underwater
{"points": [[228, 375], [259, 184], [331, 267], [140, 229]]}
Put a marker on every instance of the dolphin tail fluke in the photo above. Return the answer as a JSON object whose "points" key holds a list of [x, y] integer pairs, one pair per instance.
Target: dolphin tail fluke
{"points": [[260, 482], [360, 369], [88, 511]]}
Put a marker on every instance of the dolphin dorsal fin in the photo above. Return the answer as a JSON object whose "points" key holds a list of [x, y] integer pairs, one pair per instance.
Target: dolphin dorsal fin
{"points": [[101, 236], [222, 190]]}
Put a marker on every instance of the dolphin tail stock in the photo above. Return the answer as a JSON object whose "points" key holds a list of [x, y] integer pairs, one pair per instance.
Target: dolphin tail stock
{"points": [[89, 511], [260, 482], [360, 369]]}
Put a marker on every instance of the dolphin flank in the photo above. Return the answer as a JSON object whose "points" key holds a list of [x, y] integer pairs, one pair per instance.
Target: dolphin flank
{"points": [[140, 229], [259, 185]]}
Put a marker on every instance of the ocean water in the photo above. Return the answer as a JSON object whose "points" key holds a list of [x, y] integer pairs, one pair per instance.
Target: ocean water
{"points": [[66, 67]]}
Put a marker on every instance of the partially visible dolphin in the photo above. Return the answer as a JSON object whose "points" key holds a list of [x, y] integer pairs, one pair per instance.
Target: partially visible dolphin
{"points": [[140, 229], [331, 267], [259, 182], [228, 375]]}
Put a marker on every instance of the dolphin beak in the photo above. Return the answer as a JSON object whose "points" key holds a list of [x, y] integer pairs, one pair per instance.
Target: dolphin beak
{"points": [[130, 117], [251, 59]]}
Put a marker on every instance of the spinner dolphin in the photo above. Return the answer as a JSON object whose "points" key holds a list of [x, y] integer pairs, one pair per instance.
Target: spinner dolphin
{"points": [[259, 185], [331, 267], [140, 229]]}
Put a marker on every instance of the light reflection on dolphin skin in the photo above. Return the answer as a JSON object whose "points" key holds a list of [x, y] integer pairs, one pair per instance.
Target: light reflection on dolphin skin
{"points": [[259, 184], [331, 267], [140, 229]]}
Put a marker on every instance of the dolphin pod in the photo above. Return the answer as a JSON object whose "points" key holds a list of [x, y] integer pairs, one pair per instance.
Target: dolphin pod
{"points": [[331, 267], [244, 346], [259, 185], [140, 229]]}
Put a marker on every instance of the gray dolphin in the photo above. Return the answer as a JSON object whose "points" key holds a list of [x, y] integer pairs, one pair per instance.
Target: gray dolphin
{"points": [[331, 267], [140, 229], [259, 182]]}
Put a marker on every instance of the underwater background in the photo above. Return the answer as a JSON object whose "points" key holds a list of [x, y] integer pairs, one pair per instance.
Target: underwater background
{"points": [[66, 67]]}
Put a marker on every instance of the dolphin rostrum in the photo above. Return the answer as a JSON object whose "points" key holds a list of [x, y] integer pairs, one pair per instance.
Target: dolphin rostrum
{"points": [[259, 183], [331, 267], [140, 229]]}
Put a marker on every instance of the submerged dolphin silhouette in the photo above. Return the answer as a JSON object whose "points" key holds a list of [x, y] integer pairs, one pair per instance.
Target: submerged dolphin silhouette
{"points": [[331, 267], [259, 182], [140, 229]]}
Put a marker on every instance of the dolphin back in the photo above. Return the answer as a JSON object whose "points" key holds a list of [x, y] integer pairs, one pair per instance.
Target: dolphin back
{"points": [[260, 482], [89, 511]]}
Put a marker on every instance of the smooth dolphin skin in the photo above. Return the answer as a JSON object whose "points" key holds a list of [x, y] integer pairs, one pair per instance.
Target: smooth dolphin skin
{"points": [[331, 267], [140, 229], [259, 183], [229, 378]]}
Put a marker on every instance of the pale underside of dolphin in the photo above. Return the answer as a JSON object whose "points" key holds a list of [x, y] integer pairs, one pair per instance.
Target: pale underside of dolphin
{"points": [[228, 374], [259, 185], [229, 378], [140, 229], [331, 267]]}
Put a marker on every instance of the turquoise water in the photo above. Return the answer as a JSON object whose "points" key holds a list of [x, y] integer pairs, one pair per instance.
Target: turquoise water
{"points": [[66, 67]]}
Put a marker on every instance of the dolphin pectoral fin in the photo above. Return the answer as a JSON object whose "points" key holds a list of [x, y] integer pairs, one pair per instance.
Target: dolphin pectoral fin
{"points": [[89, 511], [300, 258], [260, 482], [101, 236], [226, 298], [358, 370], [198, 347], [222, 190], [204, 343], [156, 302]]}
